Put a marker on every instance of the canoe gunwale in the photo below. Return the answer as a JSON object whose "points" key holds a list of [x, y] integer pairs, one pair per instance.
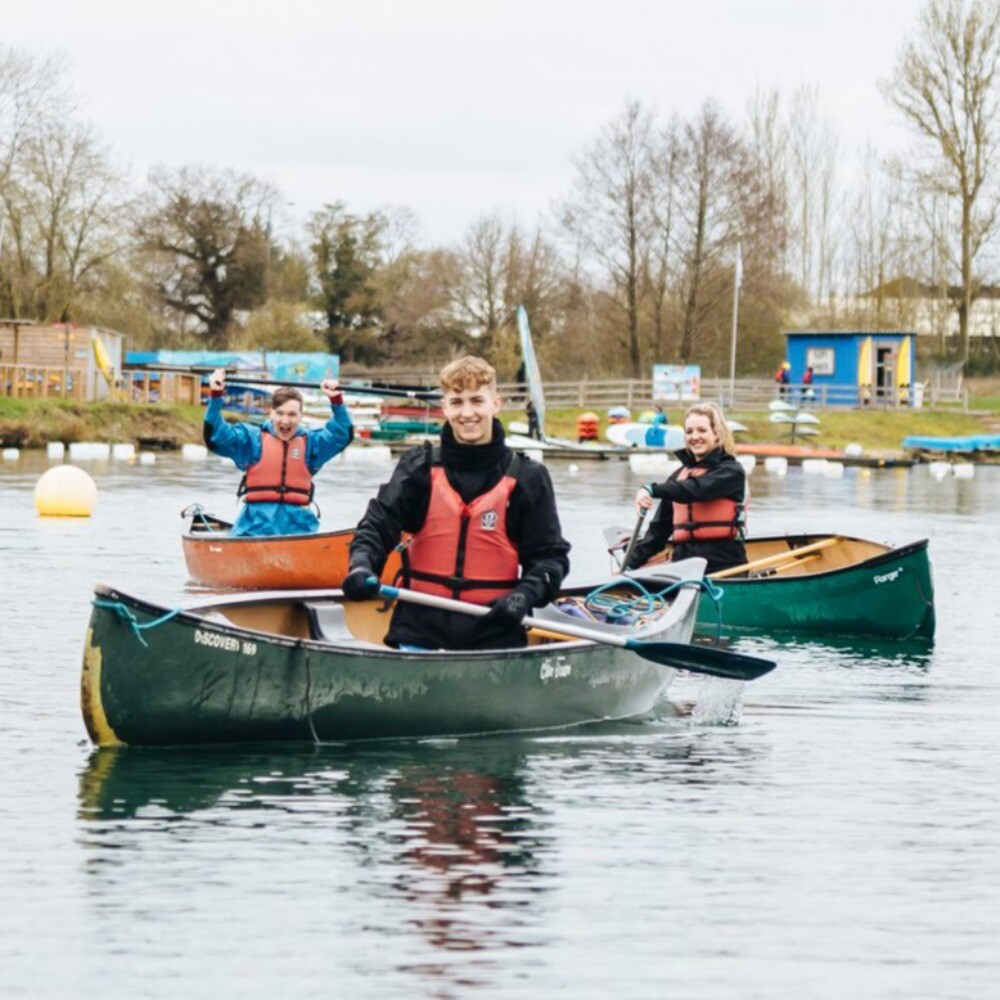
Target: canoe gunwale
{"points": [[890, 553], [198, 617]]}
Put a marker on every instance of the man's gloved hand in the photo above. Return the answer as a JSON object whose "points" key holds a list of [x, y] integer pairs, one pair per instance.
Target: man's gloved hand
{"points": [[507, 612], [361, 584]]}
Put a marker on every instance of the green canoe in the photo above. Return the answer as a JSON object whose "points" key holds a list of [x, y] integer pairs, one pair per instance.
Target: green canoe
{"points": [[305, 665], [827, 585]]}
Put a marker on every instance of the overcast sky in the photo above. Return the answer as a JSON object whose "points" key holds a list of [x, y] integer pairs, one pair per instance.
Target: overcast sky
{"points": [[453, 107]]}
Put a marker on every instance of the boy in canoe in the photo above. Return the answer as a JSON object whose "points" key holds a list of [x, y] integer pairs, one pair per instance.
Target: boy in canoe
{"points": [[278, 459], [483, 522], [704, 502]]}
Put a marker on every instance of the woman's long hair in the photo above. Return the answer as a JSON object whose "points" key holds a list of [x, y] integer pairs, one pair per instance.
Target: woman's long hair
{"points": [[718, 422]]}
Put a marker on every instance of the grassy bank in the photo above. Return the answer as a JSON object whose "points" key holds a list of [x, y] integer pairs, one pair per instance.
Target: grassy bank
{"points": [[29, 423], [33, 423]]}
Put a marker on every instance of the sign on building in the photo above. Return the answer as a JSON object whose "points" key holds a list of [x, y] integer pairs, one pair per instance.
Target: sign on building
{"points": [[820, 359], [676, 383]]}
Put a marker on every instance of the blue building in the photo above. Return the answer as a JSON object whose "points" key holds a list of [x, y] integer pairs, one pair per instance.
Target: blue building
{"points": [[854, 367]]}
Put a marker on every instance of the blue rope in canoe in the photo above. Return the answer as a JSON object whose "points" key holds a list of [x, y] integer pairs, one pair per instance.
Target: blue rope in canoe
{"points": [[618, 608], [126, 615]]}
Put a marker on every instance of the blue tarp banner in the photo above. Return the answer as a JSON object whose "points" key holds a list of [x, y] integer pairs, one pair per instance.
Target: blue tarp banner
{"points": [[283, 366]]}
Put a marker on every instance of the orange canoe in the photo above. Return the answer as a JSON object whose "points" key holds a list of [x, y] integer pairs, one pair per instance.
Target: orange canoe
{"points": [[281, 562]]}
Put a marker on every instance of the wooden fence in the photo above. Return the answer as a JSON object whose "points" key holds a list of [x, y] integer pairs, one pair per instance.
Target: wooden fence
{"points": [[42, 382], [46, 382], [748, 395]]}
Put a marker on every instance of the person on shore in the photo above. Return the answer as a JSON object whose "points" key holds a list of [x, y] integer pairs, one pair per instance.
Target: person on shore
{"points": [[783, 376], [483, 522], [278, 459], [808, 392], [534, 430], [704, 502]]}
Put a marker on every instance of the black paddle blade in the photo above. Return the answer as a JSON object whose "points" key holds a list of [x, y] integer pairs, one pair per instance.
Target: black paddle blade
{"points": [[703, 660]]}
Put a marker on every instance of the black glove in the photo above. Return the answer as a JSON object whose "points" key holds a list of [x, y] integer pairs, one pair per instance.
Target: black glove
{"points": [[506, 612], [361, 584]]}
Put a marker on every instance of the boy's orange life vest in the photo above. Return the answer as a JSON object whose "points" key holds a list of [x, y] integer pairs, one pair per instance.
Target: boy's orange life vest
{"points": [[706, 520], [281, 475], [457, 535]]}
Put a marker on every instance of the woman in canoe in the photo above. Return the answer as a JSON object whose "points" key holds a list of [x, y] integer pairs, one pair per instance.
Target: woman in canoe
{"points": [[704, 502], [279, 459]]}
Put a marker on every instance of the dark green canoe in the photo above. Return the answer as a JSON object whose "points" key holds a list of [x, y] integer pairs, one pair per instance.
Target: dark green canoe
{"points": [[304, 666], [828, 585]]}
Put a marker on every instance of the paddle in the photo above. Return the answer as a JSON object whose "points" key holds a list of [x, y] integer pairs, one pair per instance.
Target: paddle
{"points": [[233, 377], [779, 557], [697, 659], [643, 511]]}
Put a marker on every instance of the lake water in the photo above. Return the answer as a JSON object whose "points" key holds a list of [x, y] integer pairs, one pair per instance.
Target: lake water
{"points": [[839, 836]]}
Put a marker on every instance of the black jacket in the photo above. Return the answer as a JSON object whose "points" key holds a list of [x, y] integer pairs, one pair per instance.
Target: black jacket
{"points": [[532, 526], [725, 478]]}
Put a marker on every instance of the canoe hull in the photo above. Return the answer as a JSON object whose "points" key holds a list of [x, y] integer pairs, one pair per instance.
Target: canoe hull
{"points": [[198, 681], [888, 596], [285, 562]]}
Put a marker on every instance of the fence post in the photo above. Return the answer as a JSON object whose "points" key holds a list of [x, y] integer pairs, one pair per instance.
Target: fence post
{"points": [[583, 394]]}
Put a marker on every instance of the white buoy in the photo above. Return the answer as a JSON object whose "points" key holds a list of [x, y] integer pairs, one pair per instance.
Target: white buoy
{"points": [[65, 491], [749, 462], [853, 450], [55, 449], [834, 470], [147, 458], [573, 468], [813, 466], [123, 452], [964, 470], [194, 452], [11, 454], [89, 450], [776, 465], [535, 454], [939, 470], [518, 427]]}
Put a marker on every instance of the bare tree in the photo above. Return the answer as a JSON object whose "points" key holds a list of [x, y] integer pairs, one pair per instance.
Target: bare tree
{"points": [[715, 171], [945, 84], [768, 147], [661, 260], [479, 295], [611, 217], [79, 212]]}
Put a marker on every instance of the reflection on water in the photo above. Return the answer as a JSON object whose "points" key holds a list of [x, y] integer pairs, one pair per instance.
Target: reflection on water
{"points": [[455, 838]]}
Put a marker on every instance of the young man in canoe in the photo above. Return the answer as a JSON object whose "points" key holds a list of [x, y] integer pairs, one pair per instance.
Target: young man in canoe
{"points": [[704, 502], [279, 459], [483, 522]]}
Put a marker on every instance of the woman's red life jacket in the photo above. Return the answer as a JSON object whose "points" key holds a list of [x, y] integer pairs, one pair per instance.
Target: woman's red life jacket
{"points": [[707, 520], [281, 475], [456, 535]]}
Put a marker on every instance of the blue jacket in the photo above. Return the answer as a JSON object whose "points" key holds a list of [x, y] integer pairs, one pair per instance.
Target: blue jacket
{"points": [[241, 443]]}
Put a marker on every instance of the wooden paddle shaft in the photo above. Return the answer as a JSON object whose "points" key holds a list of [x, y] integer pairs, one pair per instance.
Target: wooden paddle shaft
{"points": [[779, 557]]}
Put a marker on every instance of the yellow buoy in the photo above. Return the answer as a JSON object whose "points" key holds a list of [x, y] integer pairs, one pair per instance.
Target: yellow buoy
{"points": [[65, 491]]}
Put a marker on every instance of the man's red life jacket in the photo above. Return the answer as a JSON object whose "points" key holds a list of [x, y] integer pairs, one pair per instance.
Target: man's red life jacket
{"points": [[281, 475], [462, 551], [707, 520]]}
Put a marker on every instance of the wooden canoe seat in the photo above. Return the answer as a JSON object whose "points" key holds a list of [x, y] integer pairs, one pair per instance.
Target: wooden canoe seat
{"points": [[328, 623]]}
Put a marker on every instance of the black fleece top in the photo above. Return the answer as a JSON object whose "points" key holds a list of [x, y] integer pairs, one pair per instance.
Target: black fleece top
{"points": [[724, 478], [532, 526]]}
